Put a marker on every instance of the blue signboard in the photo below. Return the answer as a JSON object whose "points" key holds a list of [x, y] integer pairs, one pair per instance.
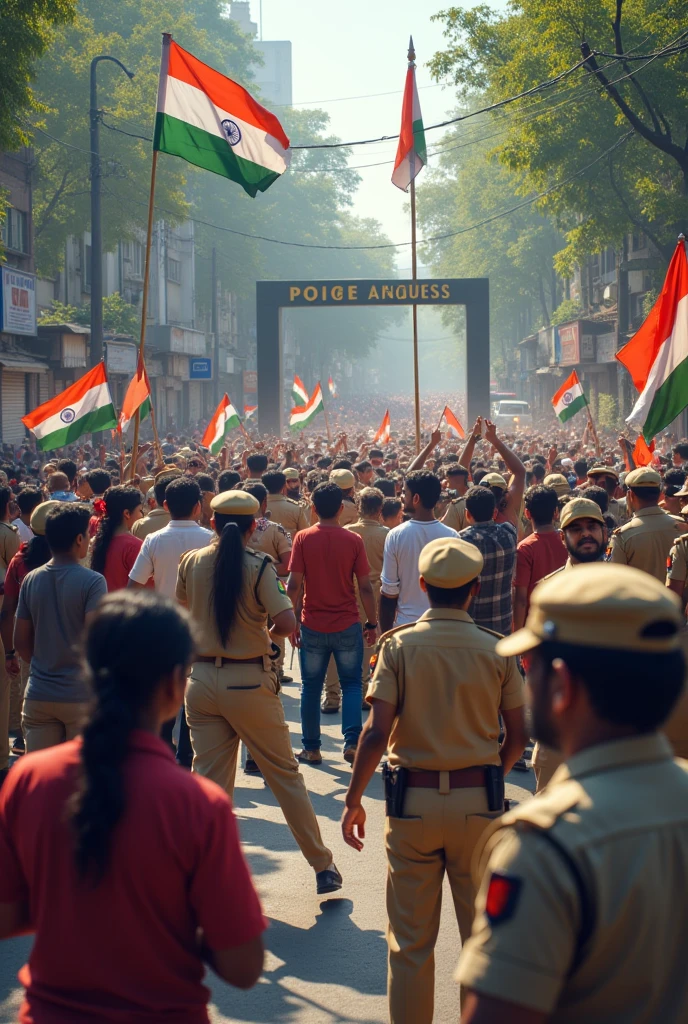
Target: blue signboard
{"points": [[200, 369]]}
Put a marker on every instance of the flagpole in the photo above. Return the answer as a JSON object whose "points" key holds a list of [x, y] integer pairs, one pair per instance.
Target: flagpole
{"points": [[593, 430], [414, 275], [327, 418], [144, 310]]}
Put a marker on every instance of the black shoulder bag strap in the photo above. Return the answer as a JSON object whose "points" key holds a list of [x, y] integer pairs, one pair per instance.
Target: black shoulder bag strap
{"points": [[266, 562], [586, 901]]}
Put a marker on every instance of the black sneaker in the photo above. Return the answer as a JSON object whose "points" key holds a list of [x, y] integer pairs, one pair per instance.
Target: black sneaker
{"points": [[18, 746], [284, 678], [251, 768], [328, 880]]}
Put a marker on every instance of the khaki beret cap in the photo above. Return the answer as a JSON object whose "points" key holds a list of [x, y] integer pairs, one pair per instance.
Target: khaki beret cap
{"points": [[165, 475], [580, 508], [559, 483], [599, 605], [186, 451], [344, 478], [494, 480], [449, 562], [643, 477], [603, 471], [39, 516], [291, 473], [235, 503], [683, 493], [146, 483]]}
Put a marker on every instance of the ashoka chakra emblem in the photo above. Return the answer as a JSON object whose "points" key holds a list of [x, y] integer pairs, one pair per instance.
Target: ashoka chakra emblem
{"points": [[67, 415], [232, 131], [568, 398]]}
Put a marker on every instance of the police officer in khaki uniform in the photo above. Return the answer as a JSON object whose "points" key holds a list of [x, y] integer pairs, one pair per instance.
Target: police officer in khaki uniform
{"points": [[577, 917], [437, 693], [290, 514], [608, 478], [345, 479], [293, 491], [158, 517], [233, 692], [457, 480], [644, 542], [371, 531]]}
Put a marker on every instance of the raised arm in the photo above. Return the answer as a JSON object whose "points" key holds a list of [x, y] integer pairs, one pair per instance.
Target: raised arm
{"points": [[469, 447], [419, 460], [516, 468]]}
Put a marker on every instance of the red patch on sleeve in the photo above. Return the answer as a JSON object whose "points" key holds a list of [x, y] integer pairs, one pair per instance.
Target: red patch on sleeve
{"points": [[502, 897]]}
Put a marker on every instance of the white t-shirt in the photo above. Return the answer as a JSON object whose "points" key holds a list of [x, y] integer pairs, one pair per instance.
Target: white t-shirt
{"points": [[400, 575], [25, 532], [160, 553]]}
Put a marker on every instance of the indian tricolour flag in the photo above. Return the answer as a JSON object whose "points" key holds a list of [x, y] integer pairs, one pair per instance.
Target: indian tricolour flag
{"points": [[84, 407], [411, 151], [570, 398], [298, 390], [302, 415], [212, 122], [657, 355], [138, 396], [224, 418]]}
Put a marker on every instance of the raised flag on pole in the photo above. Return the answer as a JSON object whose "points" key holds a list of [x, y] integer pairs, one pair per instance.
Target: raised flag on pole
{"points": [[84, 407], [570, 398], [138, 396], [332, 387], [657, 355], [302, 415], [214, 123], [224, 418], [455, 428], [382, 436], [298, 390], [411, 151], [249, 411]]}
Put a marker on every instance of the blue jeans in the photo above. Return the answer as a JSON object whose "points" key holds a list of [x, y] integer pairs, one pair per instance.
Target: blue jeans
{"points": [[314, 655]]}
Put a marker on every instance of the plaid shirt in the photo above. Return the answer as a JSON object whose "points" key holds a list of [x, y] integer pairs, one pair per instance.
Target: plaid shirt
{"points": [[493, 608]]}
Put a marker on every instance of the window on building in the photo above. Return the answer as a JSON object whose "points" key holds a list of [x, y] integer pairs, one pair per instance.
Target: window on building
{"points": [[87, 268], [638, 241], [174, 270], [13, 230]]}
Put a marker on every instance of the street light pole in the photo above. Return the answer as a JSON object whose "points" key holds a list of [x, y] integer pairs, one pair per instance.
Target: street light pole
{"points": [[96, 224]]}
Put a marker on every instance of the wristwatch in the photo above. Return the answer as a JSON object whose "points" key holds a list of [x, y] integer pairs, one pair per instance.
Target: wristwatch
{"points": [[370, 625]]}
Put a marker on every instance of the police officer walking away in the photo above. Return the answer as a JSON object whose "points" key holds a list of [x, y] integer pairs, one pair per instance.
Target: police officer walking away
{"points": [[233, 692], [437, 692], [580, 915]]}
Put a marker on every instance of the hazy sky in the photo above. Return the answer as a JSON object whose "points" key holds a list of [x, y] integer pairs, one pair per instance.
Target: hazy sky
{"points": [[355, 49]]}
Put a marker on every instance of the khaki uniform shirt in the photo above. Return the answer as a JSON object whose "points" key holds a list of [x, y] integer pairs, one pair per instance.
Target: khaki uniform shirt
{"points": [[248, 637], [620, 812], [455, 516], [289, 514], [373, 534], [10, 542], [271, 539], [448, 685], [619, 510], [154, 521], [645, 542], [677, 562]]}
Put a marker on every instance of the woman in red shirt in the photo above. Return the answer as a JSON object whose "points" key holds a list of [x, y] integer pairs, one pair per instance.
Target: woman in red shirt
{"points": [[114, 549], [126, 906]]}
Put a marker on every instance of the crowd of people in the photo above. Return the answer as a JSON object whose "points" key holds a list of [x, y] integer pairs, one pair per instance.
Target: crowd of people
{"points": [[149, 602]]}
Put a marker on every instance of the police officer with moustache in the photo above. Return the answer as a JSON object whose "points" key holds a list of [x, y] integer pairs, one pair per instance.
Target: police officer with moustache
{"points": [[233, 693], [437, 692], [584, 533], [577, 916]]}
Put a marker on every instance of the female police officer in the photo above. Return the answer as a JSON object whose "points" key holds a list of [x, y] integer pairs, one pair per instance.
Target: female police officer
{"points": [[232, 694]]}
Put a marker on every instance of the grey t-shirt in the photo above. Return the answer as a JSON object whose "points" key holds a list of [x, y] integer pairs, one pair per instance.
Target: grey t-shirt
{"points": [[57, 599]]}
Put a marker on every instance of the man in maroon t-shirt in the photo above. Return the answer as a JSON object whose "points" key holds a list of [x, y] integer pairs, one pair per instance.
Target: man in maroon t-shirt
{"points": [[540, 553], [324, 561]]}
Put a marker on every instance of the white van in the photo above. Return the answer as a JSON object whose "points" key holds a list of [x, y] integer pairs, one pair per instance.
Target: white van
{"points": [[512, 414]]}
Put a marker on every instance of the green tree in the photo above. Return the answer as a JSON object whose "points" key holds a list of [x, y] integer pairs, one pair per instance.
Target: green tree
{"points": [[547, 138], [26, 32]]}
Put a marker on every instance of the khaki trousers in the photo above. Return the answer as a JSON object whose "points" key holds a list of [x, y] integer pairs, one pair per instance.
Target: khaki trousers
{"points": [[545, 763], [236, 702], [438, 833], [45, 723]]}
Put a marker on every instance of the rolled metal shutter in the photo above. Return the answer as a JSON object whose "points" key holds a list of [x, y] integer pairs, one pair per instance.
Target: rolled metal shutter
{"points": [[13, 405]]}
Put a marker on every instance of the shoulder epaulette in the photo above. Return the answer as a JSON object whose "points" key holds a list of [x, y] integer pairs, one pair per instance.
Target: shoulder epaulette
{"points": [[492, 632], [391, 632]]}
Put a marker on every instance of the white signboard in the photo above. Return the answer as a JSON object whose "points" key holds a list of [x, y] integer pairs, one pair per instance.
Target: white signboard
{"points": [[121, 357], [18, 302]]}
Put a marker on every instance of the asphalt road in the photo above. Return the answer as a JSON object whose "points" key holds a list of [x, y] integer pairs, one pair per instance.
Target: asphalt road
{"points": [[326, 960]]}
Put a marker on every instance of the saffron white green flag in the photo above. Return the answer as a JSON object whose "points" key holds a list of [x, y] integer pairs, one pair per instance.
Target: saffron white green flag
{"points": [[570, 398], [212, 122], [302, 415], [411, 151], [298, 390], [224, 418], [84, 407]]}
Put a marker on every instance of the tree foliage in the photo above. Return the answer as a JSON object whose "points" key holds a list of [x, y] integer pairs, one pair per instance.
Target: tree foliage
{"points": [[119, 316], [551, 136]]}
